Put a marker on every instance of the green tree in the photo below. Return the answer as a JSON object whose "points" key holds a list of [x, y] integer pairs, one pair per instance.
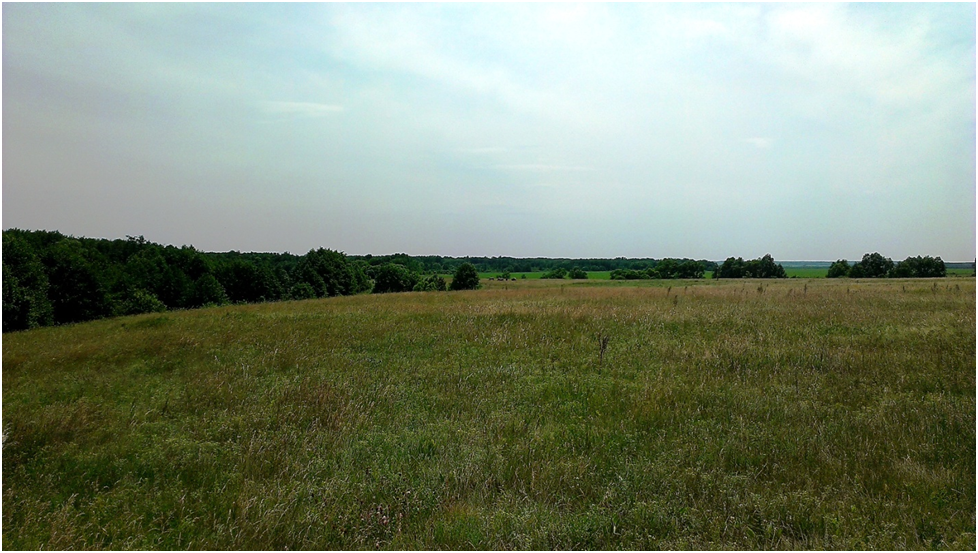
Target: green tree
{"points": [[873, 265], [838, 269], [577, 273], [75, 291], [919, 267], [556, 273], [431, 283], [302, 291], [731, 268], [666, 268], [394, 278], [691, 269], [765, 267], [465, 277], [25, 286], [207, 290], [762, 267], [141, 301]]}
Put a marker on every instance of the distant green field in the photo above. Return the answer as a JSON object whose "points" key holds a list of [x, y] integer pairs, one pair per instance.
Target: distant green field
{"points": [[796, 272], [606, 275], [805, 272], [635, 415]]}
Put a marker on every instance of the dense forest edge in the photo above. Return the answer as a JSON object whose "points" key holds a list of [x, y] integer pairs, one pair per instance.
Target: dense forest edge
{"points": [[50, 278]]}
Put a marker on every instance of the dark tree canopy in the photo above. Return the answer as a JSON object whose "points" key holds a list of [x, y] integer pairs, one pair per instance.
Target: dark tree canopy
{"points": [[763, 267], [577, 273], [873, 265], [465, 277], [920, 267], [392, 277], [838, 269], [25, 287], [557, 273], [431, 283]]}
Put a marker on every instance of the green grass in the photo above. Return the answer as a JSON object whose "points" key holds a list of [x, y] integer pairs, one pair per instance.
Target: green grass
{"points": [[816, 414], [805, 272]]}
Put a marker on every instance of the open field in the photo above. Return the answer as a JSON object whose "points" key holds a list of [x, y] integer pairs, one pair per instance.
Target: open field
{"points": [[799, 414]]}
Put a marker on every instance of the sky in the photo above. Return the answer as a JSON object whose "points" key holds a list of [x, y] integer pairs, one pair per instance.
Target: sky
{"points": [[807, 131]]}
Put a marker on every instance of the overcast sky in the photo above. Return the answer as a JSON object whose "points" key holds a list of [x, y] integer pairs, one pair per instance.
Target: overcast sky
{"points": [[707, 131]]}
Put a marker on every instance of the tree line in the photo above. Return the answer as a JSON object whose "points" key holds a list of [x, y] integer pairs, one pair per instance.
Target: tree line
{"points": [[445, 265], [50, 278], [874, 265]]}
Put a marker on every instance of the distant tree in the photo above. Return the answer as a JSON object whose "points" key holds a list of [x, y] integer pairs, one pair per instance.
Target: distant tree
{"points": [[506, 275], [305, 273], [302, 291], [25, 286], [208, 291], [665, 268], [394, 278], [175, 288], [673, 268], [431, 283], [763, 267], [465, 277], [141, 301], [75, 291], [577, 273], [731, 268], [691, 269], [919, 267], [629, 274], [240, 280], [144, 269], [838, 269], [361, 281], [873, 265], [556, 273]]}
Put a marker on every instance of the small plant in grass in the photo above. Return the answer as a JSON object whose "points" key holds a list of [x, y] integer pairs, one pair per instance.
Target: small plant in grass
{"points": [[602, 346]]}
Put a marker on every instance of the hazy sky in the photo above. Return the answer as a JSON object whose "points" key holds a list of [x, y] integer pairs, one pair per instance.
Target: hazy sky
{"points": [[806, 131]]}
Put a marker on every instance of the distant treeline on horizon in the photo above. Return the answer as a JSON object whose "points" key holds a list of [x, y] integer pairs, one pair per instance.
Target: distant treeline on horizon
{"points": [[50, 278]]}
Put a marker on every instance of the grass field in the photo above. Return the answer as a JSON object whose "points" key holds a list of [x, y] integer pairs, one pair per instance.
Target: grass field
{"points": [[799, 414]]}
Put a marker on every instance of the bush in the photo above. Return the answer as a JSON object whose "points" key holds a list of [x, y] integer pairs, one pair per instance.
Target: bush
{"points": [[141, 301], [577, 273], [431, 283], [557, 273]]}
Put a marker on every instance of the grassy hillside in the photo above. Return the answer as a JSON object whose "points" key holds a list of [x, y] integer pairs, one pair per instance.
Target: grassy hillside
{"points": [[734, 414]]}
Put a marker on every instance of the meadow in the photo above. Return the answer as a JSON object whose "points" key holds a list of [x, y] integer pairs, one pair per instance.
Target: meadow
{"points": [[791, 414]]}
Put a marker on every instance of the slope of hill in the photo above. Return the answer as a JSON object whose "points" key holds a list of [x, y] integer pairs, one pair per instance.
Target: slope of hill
{"points": [[732, 414]]}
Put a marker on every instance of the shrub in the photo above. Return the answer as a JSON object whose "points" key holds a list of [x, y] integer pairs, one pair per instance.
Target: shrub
{"points": [[577, 273]]}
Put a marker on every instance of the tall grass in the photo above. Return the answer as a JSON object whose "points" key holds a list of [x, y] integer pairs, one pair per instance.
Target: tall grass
{"points": [[791, 414]]}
